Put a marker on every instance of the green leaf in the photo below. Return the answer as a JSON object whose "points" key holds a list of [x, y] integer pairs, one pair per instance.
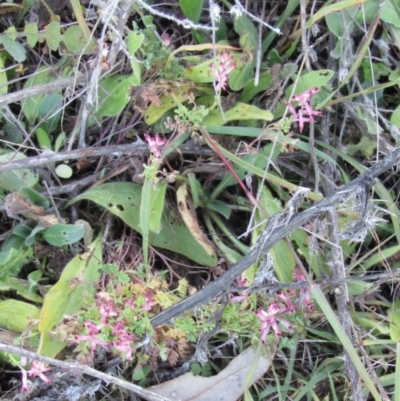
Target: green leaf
{"points": [[248, 33], [12, 261], [395, 117], [220, 207], [76, 285], [32, 33], [339, 23], [313, 79], [114, 95], [35, 197], [390, 12], [123, 200], [20, 287], [3, 78], [192, 9], [43, 139], [53, 35], [240, 76], [16, 315], [30, 106], [394, 319], [49, 112], [31, 238], [134, 41], [241, 111], [75, 41], [15, 49], [151, 208], [15, 179], [251, 90], [284, 262], [64, 234]]}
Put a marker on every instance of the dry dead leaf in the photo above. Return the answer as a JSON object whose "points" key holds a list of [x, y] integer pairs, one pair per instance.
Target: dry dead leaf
{"points": [[228, 385]]}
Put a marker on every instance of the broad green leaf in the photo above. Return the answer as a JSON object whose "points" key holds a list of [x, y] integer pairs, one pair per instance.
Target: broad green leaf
{"points": [[64, 234], [16, 315], [75, 41], [15, 49], [43, 139], [13, 180], [30, 105], [35, 197], [240, 76], [310, 80], [31, 238], [339, 23], [49, 112], [114, 95], [123, 200], [390, 12], [76, 285], [154, 113], [251, 90], [12, 32], [248, 34], [192, 9], [241, 111], [20, 287], [32, 33], [12, 260], [53, 35]]}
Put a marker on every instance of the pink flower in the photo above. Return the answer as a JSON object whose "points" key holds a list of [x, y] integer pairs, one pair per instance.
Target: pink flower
{"points": [[92, 337], [304, 112], [123, 344], [225, 67], [166, 39], [149, 302], [155, 144], [242, 282], [106, 309], [37, 369], [270, 319]]}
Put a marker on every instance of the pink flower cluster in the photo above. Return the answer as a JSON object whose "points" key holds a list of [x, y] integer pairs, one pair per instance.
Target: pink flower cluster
{"points": [[37, 369], [155, 144], [272, 318], [109, 315], [225, 67], [304, 112]]}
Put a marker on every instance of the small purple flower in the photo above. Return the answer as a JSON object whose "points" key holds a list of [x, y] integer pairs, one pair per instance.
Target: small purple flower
{"points": [[304, 112]]}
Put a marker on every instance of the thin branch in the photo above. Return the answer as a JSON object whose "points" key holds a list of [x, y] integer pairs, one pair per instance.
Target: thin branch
{"points": [[138, 147], [51, 87], [75, 368]]}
